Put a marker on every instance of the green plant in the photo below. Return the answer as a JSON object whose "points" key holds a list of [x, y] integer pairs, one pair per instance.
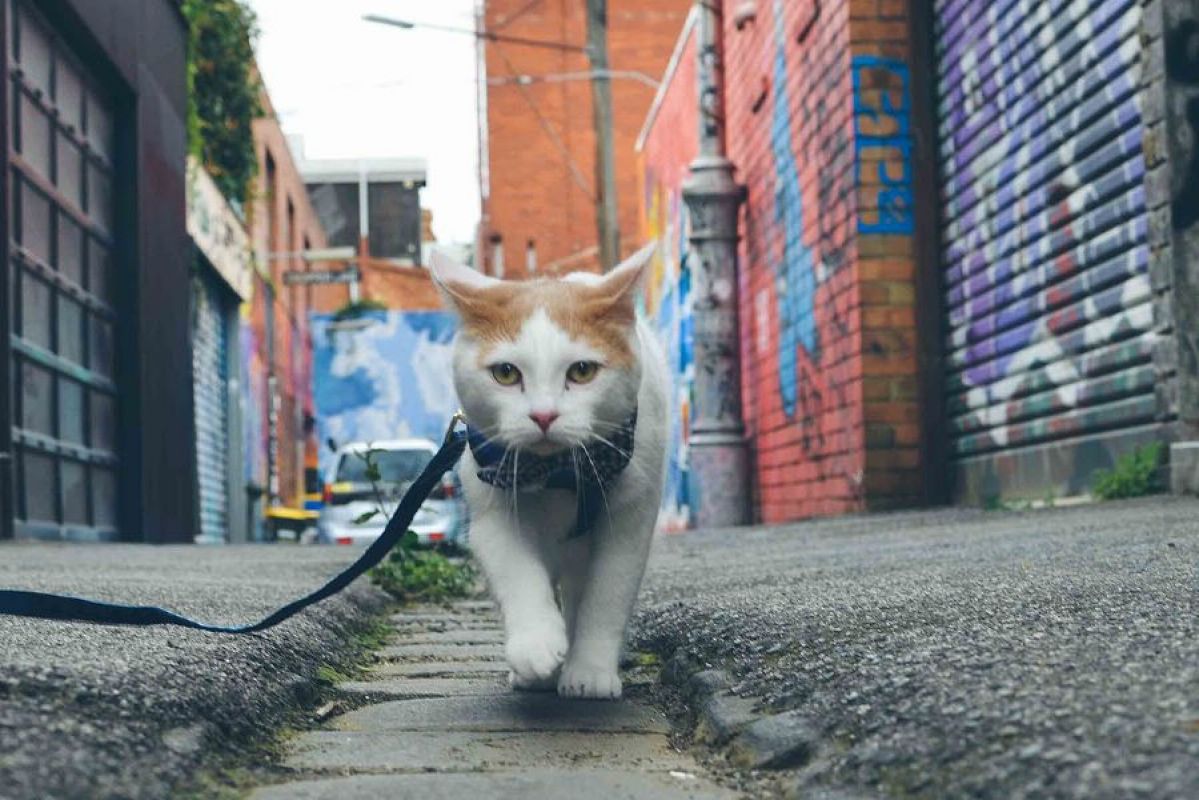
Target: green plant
{"points": [[357, 309], [410, 574], [1136, 474], [223, 92]]}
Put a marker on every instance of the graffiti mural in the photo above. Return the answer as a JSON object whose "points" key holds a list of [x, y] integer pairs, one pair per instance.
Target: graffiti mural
{"points": [[790, 133], [1046, 257], [253, 395], [384, 375], [668, 304], [664, 157], [795, 268], [882, 138]]}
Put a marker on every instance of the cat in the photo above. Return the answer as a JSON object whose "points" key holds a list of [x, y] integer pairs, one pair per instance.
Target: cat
{"points": [[562, 374]]}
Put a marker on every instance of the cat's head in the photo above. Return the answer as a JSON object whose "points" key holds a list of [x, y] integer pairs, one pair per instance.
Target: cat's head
{"points": [[547, 364]]}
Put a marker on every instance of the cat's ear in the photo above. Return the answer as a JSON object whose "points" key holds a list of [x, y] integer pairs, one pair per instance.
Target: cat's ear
{"points": [[621, 284], [456, 282]]}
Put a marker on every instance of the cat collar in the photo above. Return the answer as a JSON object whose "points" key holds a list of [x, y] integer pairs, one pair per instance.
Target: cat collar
{"points": [[587, 470]]}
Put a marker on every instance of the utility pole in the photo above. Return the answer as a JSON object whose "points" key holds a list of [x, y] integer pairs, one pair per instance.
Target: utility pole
{"points": [[607, 223], [718, 450]]}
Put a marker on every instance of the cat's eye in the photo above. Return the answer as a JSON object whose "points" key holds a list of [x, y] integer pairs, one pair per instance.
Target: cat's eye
{"points": [[582, 372], [505, 374]]}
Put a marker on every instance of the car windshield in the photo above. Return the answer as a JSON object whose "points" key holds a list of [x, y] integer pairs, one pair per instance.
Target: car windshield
{"points": [[395, 466]]}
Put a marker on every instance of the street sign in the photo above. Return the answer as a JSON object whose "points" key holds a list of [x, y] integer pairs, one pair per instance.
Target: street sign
{"points": [[296, 277]]}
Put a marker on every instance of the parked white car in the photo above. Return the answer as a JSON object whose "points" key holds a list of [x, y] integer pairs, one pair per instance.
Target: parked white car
{"points": [[350, 497]]}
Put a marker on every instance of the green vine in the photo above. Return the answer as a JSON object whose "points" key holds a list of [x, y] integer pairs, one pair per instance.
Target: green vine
{"points": [[223, 92]]}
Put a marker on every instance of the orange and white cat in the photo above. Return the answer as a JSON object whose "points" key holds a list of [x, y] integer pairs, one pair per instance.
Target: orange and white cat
{"points": [[560, 376]]}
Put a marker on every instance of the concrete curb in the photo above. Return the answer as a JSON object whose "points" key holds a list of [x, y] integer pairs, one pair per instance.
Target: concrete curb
{"points": [[99, 712]]}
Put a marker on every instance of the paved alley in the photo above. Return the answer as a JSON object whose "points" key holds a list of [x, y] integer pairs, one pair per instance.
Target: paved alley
{"points": [[437, 720]]}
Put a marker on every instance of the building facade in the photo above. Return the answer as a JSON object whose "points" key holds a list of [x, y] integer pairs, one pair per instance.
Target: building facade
{"points": [[95, 416], [276, 341], [965, 259], [373, 206], [537, 135], [222, 280]]}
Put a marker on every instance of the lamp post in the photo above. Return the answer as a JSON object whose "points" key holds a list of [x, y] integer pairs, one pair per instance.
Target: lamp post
{"points": [[718, 450]]}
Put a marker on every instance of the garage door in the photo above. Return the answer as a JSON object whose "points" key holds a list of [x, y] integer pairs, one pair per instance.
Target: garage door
{"points": [[1045, 257], [210, 368], [63, 365]]}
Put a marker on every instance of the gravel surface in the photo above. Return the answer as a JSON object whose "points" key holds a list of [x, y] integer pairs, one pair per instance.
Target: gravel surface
{"points": [[95, 712], [953, 654]]}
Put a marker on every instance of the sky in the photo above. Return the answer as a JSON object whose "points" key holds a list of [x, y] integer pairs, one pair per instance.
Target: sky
{"points": [[354, 89]]}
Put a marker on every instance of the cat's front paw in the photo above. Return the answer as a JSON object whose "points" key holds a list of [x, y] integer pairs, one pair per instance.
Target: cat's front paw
{"points": [[535, 655], [589, 682]]}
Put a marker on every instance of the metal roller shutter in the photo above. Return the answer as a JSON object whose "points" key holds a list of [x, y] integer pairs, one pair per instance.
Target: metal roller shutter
{"points": [[210, 368], [63, 274], [1050, 315]]}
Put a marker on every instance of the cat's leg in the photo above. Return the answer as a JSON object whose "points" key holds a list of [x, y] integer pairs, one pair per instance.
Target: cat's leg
{"points": [[619, 551], [534, 631], [574, 561]]}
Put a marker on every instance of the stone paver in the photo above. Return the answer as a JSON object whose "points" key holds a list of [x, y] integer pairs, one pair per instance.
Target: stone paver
{"points": [[434, 622], [448, 726], [443, 652], [435, 669], [506, 712], [458, 636], [404, 751], [396, 688], [526, 785]]}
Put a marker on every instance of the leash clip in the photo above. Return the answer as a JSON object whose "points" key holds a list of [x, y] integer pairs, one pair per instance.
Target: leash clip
{"points": [[456, 420]]}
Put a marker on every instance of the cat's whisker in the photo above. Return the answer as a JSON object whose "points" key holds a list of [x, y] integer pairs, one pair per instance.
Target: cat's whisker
{"points": [[623, 453], [599, 482], [516, 489]]}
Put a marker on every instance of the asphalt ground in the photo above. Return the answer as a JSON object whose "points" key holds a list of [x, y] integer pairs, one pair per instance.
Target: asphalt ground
{"points": [[959, 653], [940, 654], [94, 712]]}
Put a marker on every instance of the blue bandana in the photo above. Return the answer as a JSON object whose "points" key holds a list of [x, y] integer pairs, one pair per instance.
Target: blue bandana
{"points": [[588, 474]]}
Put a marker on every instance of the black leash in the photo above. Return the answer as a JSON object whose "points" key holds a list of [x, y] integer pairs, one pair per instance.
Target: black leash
{"points": [[17, 603]]}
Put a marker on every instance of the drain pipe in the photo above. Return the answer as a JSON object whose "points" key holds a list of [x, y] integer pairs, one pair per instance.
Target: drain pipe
{"points": [[719, 453]]}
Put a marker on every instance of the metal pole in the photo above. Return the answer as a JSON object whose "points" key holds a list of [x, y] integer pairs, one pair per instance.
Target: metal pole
{"points": [[606, 221], [718, 450]]}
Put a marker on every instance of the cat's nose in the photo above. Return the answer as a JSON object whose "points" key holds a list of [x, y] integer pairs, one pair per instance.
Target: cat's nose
{"points": [[544, 419]]}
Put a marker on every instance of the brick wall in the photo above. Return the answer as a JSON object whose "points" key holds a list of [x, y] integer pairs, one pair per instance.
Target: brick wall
{"points": [[540, 141], [282, 221], [817, 103], [818, 126], [400, 288]]}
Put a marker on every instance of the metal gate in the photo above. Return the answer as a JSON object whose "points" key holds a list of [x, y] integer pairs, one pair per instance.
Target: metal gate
{"points": [[210, 368], [62, 273], [1049, 334]]}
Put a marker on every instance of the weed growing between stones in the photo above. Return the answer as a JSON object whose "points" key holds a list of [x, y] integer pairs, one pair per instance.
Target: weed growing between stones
{"points": [[1136, 474], [409, 573]]}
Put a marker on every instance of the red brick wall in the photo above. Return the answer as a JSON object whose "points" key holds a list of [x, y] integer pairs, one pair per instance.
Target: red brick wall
{"points": [[828, 297], [818, 128], [880, 43], [400, 288], [282, 221], [533, 193]]}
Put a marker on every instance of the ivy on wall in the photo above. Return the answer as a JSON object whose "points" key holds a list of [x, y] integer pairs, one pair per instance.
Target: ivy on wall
{"points": [[223, 91]]}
